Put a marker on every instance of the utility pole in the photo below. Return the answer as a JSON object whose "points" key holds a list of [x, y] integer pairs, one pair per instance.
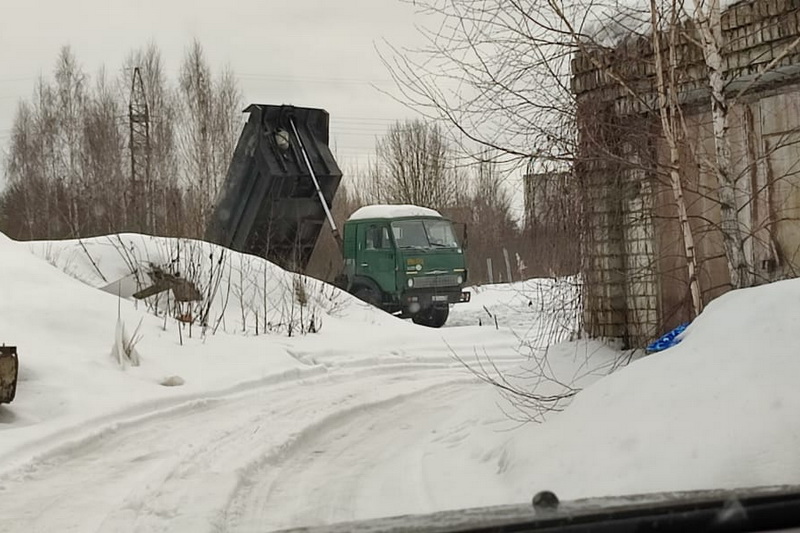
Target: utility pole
{"points": [[139, 117]]}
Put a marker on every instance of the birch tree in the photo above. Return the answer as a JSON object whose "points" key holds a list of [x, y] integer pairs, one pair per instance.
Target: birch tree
{"points": [[103, 160], [70, 93], [210, 122], [707, 17], [415, 165], [68, 158], [670, 125]]}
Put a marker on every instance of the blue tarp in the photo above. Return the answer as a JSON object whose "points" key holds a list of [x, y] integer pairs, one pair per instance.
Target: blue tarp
{"points": [[667, 341]]}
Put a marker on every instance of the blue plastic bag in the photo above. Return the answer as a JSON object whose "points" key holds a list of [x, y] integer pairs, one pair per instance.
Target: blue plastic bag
{"points": [[667, 341]]}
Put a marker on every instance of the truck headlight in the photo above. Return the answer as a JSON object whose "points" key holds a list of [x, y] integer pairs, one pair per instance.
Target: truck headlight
{"points": [[459, 280], [410, 282]]}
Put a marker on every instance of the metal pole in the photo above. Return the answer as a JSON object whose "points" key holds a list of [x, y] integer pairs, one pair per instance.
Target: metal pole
{"points": [[508, 265], [328, 214]]}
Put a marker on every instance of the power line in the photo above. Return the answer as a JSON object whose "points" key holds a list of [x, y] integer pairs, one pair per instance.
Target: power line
{"points": [[313, 79], [14, 80]]}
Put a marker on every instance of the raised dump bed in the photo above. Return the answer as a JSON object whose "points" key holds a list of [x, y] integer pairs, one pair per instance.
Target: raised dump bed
{"points": [[271, 204]]}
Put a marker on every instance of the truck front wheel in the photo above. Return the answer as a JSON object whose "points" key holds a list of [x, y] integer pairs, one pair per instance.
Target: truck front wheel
{"points": [[433, 317], [369, 295]]}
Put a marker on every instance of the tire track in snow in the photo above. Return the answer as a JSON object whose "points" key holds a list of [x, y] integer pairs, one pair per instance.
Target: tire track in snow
{"points": [[178, 469], [369, 464], [42, 450]]}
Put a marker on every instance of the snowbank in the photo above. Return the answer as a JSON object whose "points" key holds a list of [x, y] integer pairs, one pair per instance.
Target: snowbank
{"points": [[64, 330], [64, 326], [719, 410], [241, 293]]}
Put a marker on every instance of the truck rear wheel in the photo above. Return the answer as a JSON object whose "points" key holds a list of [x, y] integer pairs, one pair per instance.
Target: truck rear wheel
{"points": [[432, 317]]}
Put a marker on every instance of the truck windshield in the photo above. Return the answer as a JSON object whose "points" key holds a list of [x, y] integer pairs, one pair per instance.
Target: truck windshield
{"points": [[424, 234]]}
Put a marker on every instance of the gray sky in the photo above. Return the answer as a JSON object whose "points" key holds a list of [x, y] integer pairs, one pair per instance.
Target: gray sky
{"points": [[318, 53]]}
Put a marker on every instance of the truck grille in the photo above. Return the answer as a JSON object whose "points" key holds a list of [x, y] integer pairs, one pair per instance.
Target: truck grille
{"points": [[430, 282]]}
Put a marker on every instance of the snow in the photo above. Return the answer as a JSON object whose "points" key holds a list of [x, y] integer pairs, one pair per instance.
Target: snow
{"points": [[368, 416], [611, 23], [393, 211], [536, 309], [76, 403], [719, 410]]}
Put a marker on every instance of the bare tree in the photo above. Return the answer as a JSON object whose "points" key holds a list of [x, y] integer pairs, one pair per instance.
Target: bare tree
{"points": [[485, 208], [70, 91], [103, 164], [196, 142], [707, 16], [668, 113], [210, 116], [25, 174], [68, 170], [38, 167], [415, 166]]}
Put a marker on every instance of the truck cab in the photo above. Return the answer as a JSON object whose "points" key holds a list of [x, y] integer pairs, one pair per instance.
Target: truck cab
{"points": [[406, 260]]}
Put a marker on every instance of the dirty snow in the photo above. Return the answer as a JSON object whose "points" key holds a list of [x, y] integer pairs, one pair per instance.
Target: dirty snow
{"points": [[367, 416]]}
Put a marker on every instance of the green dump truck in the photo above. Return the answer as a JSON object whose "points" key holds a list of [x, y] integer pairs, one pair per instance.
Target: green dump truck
{"points": [[275, 200], [404, 259]]}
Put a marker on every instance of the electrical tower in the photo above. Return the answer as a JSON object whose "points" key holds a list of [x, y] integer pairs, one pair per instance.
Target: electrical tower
{"points": [[139, 117]]}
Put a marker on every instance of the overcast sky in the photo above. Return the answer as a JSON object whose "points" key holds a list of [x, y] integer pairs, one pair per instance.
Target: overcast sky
{"points": [[317, 53]]}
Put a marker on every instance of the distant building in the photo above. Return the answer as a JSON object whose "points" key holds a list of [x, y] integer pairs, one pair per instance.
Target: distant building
{"points": [[545, 196]]}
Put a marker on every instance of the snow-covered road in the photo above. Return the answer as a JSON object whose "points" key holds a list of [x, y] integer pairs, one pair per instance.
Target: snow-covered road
{"points": [[242, 427], [373, 462], [231, 462]]}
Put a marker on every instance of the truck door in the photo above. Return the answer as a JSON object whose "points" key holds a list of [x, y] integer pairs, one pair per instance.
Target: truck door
{"points": [[376, 255]]}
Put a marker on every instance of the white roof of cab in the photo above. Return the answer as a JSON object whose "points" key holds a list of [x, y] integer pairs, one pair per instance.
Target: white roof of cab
{"points": [[393, 211]]}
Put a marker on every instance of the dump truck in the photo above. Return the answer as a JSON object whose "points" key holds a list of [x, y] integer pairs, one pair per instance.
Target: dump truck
{"points": [[276, 199], [404, 259], [9, 369]]}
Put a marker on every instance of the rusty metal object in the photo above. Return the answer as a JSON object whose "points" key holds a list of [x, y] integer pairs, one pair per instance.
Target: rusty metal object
{"points": [[9, 370], [183, 289]]}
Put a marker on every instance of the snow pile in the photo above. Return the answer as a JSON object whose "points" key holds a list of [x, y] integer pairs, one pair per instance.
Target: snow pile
{"points": [[65, 332], [250, 296], [240, 292], [719, 410], [393, 211]]}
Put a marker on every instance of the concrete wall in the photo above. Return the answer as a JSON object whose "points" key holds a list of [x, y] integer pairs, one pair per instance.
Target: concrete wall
{"points": [[634, 266]]}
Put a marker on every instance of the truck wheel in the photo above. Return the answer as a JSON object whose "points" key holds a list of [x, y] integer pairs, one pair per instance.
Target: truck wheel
{"points": [[367, 294], [432, 317]]}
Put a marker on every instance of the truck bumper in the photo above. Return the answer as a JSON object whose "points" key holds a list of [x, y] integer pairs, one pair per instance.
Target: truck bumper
{"points": [[428, 298]]}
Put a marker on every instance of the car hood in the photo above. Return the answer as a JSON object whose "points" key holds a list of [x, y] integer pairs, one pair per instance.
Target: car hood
{"points": [[664, 511]]}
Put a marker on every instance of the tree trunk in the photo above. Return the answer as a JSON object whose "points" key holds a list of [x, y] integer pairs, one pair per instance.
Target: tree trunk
{"points": [[732, 235], [667, 115]]}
